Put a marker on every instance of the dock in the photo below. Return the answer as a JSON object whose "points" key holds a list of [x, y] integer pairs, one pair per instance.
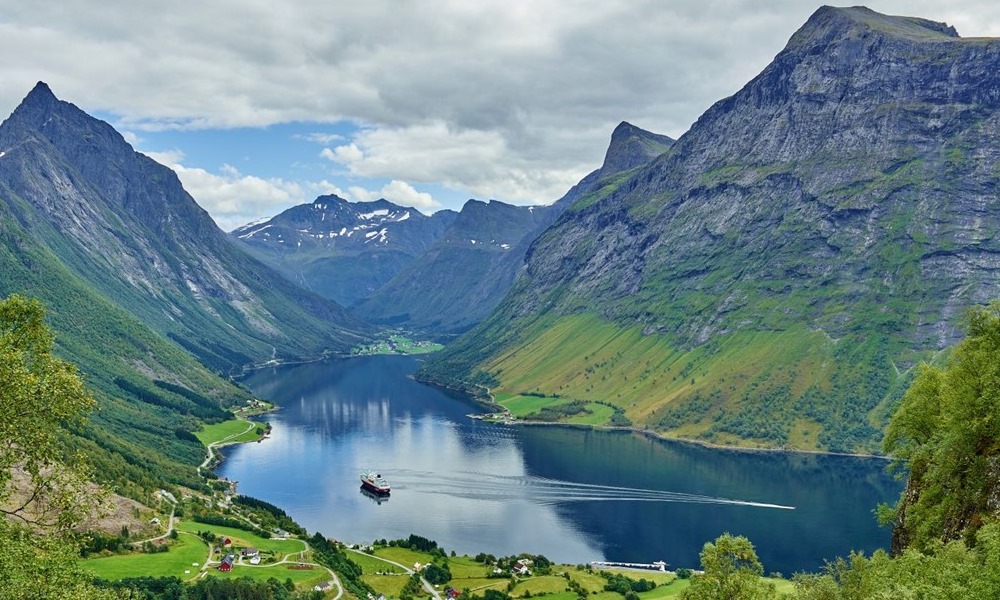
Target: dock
{"points": [[656, 566]]}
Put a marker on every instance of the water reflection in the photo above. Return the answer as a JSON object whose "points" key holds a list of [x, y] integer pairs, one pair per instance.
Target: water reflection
{"points": [[575, 495], [376, 498]]}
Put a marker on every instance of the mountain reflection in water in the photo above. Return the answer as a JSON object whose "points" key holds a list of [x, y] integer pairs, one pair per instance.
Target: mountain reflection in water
{"points": [[572, 494]]}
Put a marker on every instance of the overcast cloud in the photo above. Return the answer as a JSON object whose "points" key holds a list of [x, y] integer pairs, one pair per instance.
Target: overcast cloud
{"points": [[507, 99]]}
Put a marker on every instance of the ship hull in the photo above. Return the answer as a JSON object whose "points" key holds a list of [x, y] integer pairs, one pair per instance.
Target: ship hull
{"points": [[371, 487]]}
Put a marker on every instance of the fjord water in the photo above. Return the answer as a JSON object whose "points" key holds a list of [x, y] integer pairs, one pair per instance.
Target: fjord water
{"points": [[575, 495]]}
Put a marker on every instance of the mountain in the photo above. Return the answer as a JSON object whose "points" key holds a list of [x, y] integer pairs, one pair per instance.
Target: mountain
{"points": [[462, 277], [123, 223], [342, 250], [144, 293], [456, 282], [771, 279]]}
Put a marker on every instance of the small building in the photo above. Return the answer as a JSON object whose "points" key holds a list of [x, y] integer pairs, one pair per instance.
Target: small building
{"points": [[227, 542], [255, 560], [452, 593], [249, 552], [326, 586], [154, 521], [227, 562], [521, 568]]}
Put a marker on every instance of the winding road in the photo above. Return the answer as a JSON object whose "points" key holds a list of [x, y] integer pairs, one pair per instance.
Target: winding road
{"points": [[427, 585]]}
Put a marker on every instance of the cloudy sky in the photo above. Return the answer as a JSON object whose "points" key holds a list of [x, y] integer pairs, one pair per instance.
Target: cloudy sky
{"points": [[260, 105]]}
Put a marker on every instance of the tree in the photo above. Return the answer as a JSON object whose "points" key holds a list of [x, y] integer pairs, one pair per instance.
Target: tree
{"points": [[731, 572], [947, 433], [42, 493], [40, 395]]}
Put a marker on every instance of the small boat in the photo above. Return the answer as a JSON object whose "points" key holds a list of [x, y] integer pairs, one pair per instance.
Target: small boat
{"points": [[372, 481]]}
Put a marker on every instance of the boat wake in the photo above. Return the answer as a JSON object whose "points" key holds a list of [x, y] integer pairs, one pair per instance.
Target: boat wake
{"points": [[542, 490]]}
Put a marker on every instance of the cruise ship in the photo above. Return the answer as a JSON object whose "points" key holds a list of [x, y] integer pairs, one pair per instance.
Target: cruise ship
{"points": [[370, 480]]}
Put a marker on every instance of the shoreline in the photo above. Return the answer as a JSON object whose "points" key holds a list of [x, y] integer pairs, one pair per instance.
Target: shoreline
{"points": [[649, 433], [493, 404]]}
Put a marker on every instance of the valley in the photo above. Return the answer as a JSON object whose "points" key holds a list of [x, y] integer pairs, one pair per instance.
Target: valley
{"points": [[731, 330]]}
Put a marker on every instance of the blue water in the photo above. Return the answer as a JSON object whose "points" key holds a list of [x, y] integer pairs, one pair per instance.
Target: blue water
{"points": [[575, 495]]}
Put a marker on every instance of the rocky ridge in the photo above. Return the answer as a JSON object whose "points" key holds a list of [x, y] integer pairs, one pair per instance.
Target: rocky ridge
{"points": [[844, 199]]}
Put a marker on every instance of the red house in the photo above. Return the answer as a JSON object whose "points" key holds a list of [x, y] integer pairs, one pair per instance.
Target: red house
{"points": [[227, 562]]}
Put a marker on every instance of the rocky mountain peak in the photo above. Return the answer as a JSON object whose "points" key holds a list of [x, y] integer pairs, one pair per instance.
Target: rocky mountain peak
{"points": [[829, 23], [41, 94], [632, 146]]}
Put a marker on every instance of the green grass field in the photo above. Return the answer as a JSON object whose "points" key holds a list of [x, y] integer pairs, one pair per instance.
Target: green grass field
{"points": [[541, 584], [242, 538], [302, 578], [229, 431], [520, 406], [371, 565], [464, 567], [478, 584], [189, 553], [390, 585], [184, 552], [404, 556], [600, 414], [408, 346]]}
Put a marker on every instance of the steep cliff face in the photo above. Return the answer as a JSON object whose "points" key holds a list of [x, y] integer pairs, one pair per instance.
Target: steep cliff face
{"points": [[343, 250], [461, 278], [123, 223], [842, 204]]}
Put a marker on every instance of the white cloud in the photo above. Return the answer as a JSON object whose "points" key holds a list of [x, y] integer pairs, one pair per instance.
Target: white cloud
{"points": [[513, 99], [233, 198], [480, 162], [396, 191], [321, 138], [346, 155]]}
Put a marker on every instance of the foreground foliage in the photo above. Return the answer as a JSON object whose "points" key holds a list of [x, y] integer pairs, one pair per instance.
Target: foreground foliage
{"points": [[947, 432], [40, 395], [731, 570]]}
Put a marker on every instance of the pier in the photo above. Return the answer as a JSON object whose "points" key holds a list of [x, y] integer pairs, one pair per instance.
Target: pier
{"points": [[656, 566]]}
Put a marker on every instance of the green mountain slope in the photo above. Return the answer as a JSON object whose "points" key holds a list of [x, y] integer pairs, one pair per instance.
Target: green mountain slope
{"points": [[135, 445], [771, 278], [124, 224], [144, 293]]}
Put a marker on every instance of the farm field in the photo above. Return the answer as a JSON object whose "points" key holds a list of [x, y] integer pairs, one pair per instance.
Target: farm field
{"points": [[187, 553], [217, 432]]}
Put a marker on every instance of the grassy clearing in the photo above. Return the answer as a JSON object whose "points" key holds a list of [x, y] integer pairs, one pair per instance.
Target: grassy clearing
{"points": [[542, 584], [390, 585], [184, 551], [478, 584], [464, 567], [371, 565], [242, 538], [302, 578], [669, 590], [600, 414], [408, 346], [592, 582], [229, 431], [397, 344], [520, 405], [404, 556]]}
